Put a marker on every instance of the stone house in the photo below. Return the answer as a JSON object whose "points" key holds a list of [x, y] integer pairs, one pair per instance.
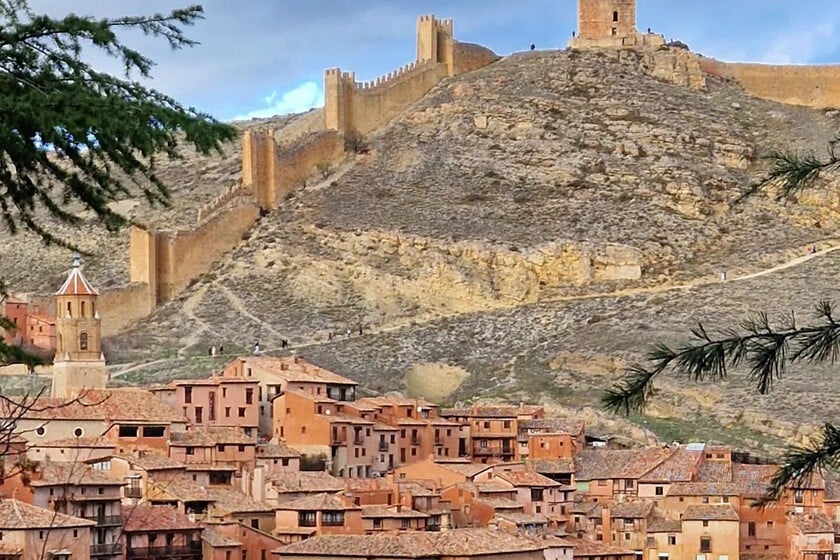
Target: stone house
{"points": [[711, 531], [551, 438], [71, 450], [389, 519], [27, 531], [229, 540], [278, 375], [604, 474], [444, 474], [151, 532], [539, 495], [215, 447], [494, 431], [137, 468], [284, 487], [216, 401], [811, 537], [320, 514]]}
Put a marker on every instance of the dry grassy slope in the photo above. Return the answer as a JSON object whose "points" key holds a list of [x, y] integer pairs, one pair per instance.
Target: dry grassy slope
{"points": [[423, 241], [194, 181]]}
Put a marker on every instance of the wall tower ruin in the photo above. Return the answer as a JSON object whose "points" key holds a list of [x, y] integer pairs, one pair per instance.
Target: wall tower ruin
{"points": [[610, 23]]}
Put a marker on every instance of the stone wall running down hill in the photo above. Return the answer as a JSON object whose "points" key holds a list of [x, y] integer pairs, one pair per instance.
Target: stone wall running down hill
{"points": [[815, 86]]}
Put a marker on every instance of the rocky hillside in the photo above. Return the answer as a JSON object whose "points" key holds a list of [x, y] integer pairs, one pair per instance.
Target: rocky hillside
{"points": [[524, 232]]}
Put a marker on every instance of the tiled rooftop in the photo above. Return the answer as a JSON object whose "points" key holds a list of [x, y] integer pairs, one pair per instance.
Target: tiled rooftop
{"points": [[457, 542], [210, 437], [591, 548], [709, 512], [145, 518], [231, 501], [79, 443], [703, 489], [527, 478], [71, 474], [601, 464], [217, 539], [679, 467], [469, 470], [501, 504], [752, 481], [391, 512], [631, 510], [277, 450], [296, 369], [658, 525], [15, 514], [554, 425], [713, 471], [832, 487], [813, 523], [181, 487], [148, 461], [318, 502], [288, 482], [109, 405], [563, 465]]}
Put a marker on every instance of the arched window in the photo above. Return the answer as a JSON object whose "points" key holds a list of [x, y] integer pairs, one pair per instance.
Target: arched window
{"points": [[83, 341], [69, 309], [82, 310], [60, 342], [93, 309], [615, 16]]}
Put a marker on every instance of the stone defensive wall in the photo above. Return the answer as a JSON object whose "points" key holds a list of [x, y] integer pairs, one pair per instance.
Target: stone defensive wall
{"points": [[163, 263], [808, 86], [168, 262]]}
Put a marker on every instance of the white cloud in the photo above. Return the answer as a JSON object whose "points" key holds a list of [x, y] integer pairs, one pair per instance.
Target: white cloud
{"points": [[304, 97], [802, 45]]}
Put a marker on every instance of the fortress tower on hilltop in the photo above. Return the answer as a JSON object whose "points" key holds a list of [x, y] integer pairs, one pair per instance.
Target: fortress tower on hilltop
{"points": [[79, 363], [610, 24]]}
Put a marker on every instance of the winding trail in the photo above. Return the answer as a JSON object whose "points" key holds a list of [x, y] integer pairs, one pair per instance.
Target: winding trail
{"points": [[831, 245]]}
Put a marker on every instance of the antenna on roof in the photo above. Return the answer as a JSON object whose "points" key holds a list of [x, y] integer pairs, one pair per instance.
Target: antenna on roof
{"points": [[77, 260]]}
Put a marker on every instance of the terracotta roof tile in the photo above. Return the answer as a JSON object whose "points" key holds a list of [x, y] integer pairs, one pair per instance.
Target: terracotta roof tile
{"points": [[714, 471], [291, 482], [72, 474], [703, 489], [602, 464], [527, 478], [659, 525], [554, 425], [317, 502], [277, 450], [150, 461], [813, 523], [457, 542], [501, 504], [108, 405], [563, 465], [752, 481], [520, 518], [217, 539], [210, 437], [231, 501], [631, 510], [297, 369], [76, 284], [144, 518], [15, 514], [469, 470], [508, 411], [682, 466], [180, 487], [79, 443], [585, 548], [710, 512], [391, 512]]}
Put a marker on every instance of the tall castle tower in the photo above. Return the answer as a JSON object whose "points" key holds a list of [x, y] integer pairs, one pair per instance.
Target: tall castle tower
{"points": [[79, 363], [610, 23]]}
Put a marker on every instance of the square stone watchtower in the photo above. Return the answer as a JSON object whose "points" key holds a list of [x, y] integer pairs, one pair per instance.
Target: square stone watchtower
{"points": [[610, 23]]}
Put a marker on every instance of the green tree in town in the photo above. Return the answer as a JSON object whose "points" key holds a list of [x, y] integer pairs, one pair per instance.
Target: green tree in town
{"points": [[73, 135], [763, 348]]}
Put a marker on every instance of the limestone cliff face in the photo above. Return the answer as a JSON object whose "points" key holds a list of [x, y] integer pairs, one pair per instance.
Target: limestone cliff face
{"points": [[674, 65]]}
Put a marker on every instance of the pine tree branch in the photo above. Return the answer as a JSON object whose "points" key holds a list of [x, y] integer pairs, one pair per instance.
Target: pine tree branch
{"points": [[764, 349]]}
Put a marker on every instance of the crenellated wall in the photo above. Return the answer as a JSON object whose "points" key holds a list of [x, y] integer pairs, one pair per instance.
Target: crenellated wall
{"points": [[815, 86], [359, 108], [221, 201]]}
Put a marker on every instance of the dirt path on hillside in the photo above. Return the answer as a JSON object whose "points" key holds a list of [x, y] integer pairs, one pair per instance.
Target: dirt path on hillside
{"points": [[195, 299]]}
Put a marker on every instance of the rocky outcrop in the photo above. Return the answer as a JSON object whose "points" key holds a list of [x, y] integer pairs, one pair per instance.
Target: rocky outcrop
{"points": [[675, 65]]}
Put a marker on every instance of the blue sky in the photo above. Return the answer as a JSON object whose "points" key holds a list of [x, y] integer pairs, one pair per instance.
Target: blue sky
{"points": [[261, 57]]}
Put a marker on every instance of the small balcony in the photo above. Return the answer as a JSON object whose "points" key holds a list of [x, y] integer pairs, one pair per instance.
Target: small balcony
{"points": [[438, 442], [358, 441], [112, 549], [415, 440], [133, 492], [383, 446], [105, 520], [191, 552]]}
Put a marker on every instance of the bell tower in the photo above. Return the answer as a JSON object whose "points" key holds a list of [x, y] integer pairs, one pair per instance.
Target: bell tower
{"points": [[79, 363]]}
